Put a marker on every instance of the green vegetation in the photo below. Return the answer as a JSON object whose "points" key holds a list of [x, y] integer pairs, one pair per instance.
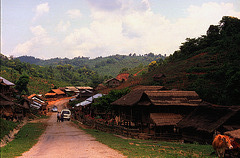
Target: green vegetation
{"points": [[105, 66], [103, 104], [25, 139], [80, 71], [6, 127], [149, 148], [208, 65]]}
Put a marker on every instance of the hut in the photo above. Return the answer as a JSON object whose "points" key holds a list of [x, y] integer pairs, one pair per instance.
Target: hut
{"points": [[85, 88], [37, 102], [158, 77], [122, 77], [201, 124], [113, 82], [84, 94], [6, 87], [6, 107], [55, 93], [155, 110], [71, 90]]}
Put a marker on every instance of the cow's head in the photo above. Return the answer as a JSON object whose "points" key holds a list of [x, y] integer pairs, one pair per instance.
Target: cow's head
{"points": [[227, 142]]}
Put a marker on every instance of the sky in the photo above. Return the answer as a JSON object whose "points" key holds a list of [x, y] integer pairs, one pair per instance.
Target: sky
{"points": [[92, 28]]}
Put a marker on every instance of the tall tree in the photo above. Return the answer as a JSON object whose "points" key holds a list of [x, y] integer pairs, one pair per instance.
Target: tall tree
{"points": [[22, 83]]}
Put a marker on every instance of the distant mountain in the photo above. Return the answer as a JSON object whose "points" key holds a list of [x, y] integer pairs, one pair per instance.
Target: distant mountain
{"points": [[109, 66], [30, 60]]}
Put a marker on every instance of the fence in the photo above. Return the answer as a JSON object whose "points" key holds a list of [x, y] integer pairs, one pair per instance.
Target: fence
{"points": [[128, 132]]}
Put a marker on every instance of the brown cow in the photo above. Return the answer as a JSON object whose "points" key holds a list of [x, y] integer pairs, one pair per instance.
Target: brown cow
{"points": [[220, 144], [235, 151]]}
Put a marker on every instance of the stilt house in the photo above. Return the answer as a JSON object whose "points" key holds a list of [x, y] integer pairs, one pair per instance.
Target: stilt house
{"points": [[205, 120], [155, 110]]}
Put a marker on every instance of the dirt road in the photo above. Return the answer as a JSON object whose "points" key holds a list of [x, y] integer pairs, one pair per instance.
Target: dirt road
{"points": [[63, 140]]}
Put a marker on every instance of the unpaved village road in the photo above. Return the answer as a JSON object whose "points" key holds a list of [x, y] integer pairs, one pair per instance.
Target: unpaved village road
{"points": [[64, 140]]}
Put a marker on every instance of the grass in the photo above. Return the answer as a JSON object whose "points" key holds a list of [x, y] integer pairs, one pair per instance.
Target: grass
{"points": [[6, 127], [149, 148], [25, 139]]}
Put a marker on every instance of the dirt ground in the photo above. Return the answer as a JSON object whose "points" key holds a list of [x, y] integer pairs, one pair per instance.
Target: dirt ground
{"points": [[64, 140]]}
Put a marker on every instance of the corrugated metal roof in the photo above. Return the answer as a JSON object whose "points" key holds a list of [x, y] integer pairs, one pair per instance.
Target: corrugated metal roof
{"points": [[84, 103], [94, 97], [6, 82]]}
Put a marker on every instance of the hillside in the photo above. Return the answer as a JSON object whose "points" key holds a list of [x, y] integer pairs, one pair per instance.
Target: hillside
{"points": [[104, 66], [209, 65]]}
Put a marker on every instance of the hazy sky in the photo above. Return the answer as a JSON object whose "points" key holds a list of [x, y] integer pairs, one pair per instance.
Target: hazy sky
{"points": [[93, 28]]}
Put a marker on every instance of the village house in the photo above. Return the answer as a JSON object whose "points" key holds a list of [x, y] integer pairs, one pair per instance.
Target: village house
{"points": [[208, 119], [155, 110], [37, 102], [122, 77], [159, 77], [84, 107], [6, 87], [9, 107], [55, 93], [84, 92], [100, 87], [113, 82], [71, 90]]}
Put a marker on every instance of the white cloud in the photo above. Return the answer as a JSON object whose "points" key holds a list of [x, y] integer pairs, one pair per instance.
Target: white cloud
{"points": [[141, 30], [38, 30], [35, 46], [40, 10], [74, 13], [63, 26], [23, 48], [124, 29]]}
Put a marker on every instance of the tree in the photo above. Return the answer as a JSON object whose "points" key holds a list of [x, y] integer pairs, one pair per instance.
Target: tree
{"points": [[22, 83], [103, 104], [152, 66]]}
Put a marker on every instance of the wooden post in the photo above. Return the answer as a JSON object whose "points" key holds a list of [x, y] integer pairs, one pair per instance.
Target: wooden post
{"points": [[155, 130]]}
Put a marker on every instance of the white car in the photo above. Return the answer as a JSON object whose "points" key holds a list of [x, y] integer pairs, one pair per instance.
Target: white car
{"points": [[66, 114]]}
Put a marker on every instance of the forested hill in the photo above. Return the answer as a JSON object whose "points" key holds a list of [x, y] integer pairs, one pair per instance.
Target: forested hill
{"points": [[104, 66], [209, 65]]}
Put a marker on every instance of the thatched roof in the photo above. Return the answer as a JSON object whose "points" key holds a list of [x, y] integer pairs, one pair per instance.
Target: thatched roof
{"points": [[136, 96], [165, 98], [163, 119], [157, 95], [112, 80], [58, 91], [207, 117], [50, 94], [130, 99], [234, 134], [72, 89], [150, 88], [84, 88]]}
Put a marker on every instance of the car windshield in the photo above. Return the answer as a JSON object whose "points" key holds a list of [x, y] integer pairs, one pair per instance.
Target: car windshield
{"points": [[65, 112]]}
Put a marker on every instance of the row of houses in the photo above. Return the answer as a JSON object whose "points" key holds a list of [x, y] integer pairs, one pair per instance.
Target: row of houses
{"points": [[122, 77], [70, 90], [16, 109], [167, 114], [158, 113]]}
